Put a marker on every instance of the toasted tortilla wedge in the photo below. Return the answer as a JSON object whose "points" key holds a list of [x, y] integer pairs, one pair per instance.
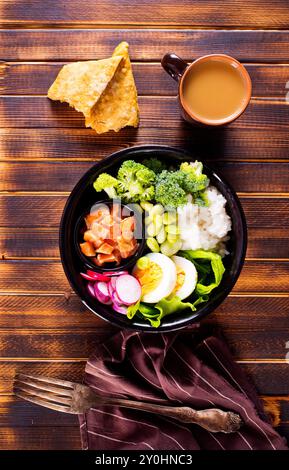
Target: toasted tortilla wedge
{"points": [[81, 84], [117, 107]]}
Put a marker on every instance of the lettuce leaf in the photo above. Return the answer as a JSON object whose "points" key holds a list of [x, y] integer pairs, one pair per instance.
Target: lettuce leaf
{"points": [[208, 281], [155, 313], [210, 272]]}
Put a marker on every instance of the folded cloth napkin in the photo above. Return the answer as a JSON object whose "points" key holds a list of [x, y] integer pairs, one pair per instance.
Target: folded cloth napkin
{"points": [[189, 368]]}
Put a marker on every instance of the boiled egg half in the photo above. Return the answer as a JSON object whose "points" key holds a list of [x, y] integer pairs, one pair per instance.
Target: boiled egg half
{"points": [[157, 275], [187, 277]]}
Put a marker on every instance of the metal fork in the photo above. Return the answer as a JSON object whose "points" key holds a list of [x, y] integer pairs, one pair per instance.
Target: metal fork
{"points": [[74, 398]]}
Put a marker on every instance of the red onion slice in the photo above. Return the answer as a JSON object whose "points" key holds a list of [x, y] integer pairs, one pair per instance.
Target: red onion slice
{"points": [[119, 308], [97, 276], [90, 288], [116, 273]]}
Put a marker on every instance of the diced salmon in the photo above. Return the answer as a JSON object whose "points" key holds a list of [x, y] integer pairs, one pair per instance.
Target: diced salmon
{"points": [[103, 258], [126, 248], [116, 213], [117, 256], [127, 228], [99, 230], [87, 249], [90, 237], [105, 248], [89, 219], [107, 221]]}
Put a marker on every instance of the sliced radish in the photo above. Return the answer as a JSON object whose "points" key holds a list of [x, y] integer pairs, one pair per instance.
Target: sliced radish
{"points": [[113, 282], [110, 289], [101, 293], [96, 276], [115, 298], [119, 308], [128, 289], [118, 273], [90, 288]]}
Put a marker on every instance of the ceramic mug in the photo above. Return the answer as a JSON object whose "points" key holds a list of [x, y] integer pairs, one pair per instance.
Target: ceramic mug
{"points": [[178, 69]]}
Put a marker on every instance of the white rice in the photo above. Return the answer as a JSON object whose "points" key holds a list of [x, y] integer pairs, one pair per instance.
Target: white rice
{"points": [[205, 227]]}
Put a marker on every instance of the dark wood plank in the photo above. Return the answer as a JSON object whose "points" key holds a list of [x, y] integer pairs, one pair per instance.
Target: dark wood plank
{"points": [[146, 44], [36, 210], [268, 243], [35, 78], [230, 143], [69, 369], [269, 378], [15, 412], [245, 344], [52, 176], [46, 276], [40, 438], [155, 111], [43, 243], [58, 311], [51, 343], [234, 13]]}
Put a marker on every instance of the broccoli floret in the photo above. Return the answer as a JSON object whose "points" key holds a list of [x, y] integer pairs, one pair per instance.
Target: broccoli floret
{"points": [[154, 164], [168, 190], [201, 198], [145, 176], [107, 183], [136, 182], [127, 171], [194, 180]]}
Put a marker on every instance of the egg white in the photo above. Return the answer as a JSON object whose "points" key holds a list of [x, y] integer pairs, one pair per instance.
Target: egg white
{"points": [[167, 282], [191, 276]]}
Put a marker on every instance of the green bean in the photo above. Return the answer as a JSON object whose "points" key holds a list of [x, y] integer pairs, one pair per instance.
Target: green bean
{"points": [[157, 210], [147, 206], [151, 230], [158, 223], [172, 229], [170, 218], [170, 249], [153, 245], [162, 235]]}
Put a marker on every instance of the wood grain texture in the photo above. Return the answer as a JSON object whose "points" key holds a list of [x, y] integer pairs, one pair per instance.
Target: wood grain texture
{"points": [[155, 111], [37, 210], [58, 311], [245, 344], [35, 78], [234, 13], [43, 242], [146, 44], [230, 143], [45, 276], [40, 438], [57, 175]]}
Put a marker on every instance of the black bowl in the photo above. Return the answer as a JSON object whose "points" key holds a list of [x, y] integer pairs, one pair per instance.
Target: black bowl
{"points": [[83, 195], [125, 264]]}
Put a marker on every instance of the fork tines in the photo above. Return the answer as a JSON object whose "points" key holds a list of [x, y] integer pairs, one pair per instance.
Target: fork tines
{"points": [[52, 393]]}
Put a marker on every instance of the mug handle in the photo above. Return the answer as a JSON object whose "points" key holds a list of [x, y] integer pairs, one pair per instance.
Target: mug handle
{"points": [[174, 65]]}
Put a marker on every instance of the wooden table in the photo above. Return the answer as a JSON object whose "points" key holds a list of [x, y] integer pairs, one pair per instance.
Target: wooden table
{"points": [[45, 148]]}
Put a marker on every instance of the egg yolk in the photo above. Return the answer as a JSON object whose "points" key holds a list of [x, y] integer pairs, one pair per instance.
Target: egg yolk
{"points": [[149, 277], [180, 279]]}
